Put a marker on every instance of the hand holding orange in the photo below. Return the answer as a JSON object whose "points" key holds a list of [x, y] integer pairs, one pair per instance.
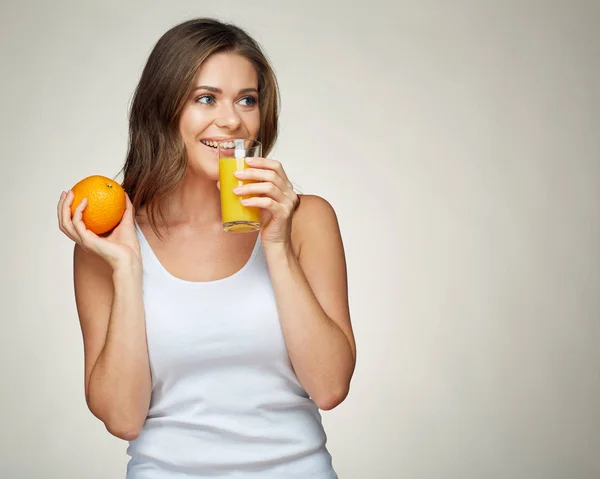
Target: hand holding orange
{"points": [[105, 203]]}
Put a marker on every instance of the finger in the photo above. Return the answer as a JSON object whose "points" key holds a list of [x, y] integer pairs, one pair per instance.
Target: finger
{"points": [[67, 222], [77, 220], [59, 207], [261, 175], [265, 188], [86, 237], [268, 164], [128, 203], [278, 210], [274, 165], [295, 200], [64, 223], [128, 214]]}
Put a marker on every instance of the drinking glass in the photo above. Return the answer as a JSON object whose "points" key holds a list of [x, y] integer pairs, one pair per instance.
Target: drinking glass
{"points": [[232, 155]]}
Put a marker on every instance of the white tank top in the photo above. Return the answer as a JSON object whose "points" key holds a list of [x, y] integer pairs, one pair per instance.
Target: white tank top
{"points": [[225, 400]]}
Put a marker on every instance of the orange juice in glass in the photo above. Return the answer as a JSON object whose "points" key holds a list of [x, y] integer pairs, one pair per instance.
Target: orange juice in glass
{"points": [[232, 155]]}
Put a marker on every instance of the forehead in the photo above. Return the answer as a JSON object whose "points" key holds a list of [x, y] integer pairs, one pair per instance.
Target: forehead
{"points": [[227, 70]]}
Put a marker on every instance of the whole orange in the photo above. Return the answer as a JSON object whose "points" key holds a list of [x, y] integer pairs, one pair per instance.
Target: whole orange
{"points": [[106, 202]]}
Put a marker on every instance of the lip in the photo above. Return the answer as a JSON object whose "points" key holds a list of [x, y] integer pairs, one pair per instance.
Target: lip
{"points": [[224, 151], [220, 138]]}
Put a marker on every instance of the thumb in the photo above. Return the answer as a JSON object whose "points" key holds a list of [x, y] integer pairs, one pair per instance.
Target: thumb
{"points": [[219, 185], [128, 214]]}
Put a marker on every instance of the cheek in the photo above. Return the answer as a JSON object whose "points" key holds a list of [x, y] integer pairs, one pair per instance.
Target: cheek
{"points": [[253, 123], [191, 123], [184, 126]]}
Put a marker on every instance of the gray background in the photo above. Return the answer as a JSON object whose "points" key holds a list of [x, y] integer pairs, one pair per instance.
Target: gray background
{"points": [[460, 145]]}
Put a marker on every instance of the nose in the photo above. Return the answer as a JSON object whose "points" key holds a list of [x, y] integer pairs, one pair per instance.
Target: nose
{"points": [[228, 117]]}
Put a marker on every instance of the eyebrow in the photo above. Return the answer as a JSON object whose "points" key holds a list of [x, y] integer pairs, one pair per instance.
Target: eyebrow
{"points": [[218, 90]]}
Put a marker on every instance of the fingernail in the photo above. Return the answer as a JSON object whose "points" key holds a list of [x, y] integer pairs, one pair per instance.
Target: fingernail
{"points": [[237, 190], [249, 160], [238, 173]]}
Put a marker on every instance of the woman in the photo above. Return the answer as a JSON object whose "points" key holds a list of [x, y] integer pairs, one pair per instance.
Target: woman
{"points": [[212, 352]]}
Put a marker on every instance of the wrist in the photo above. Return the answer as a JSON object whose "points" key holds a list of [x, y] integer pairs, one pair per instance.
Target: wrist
{"points": [[279, 251], [127, 267]]}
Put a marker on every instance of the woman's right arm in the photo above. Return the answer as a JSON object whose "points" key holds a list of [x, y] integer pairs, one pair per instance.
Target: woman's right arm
{"points": [[111, 314], [108, 293]]}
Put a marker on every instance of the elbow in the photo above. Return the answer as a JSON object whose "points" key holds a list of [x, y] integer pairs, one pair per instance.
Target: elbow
{"points": [[123, 431], [126, 428], [333, 399], [122, 427]]}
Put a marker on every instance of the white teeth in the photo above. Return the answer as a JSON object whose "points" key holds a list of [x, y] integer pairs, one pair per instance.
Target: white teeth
{"points": [[214, 144]]}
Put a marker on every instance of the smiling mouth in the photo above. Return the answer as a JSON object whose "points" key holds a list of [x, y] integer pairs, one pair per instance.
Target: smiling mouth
{"points": [[215, 144]]}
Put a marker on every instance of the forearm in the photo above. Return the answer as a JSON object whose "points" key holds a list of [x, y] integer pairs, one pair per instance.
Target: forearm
{"points": [[120, 385], [319, 350]]}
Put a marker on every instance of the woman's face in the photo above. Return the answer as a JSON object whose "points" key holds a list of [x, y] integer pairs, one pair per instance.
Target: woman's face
{"points": [[223, 104]]}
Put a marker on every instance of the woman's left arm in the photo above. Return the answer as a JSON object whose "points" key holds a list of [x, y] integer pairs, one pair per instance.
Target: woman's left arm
{"points": [[305, 255], [312, 300]]}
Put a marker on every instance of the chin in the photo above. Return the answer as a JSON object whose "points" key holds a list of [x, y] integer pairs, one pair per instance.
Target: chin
{"points": [[201, 165], [208, 171]]}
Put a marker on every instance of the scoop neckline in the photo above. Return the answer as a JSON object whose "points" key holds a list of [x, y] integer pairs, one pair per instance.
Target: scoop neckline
{"points": [[171, 276]]}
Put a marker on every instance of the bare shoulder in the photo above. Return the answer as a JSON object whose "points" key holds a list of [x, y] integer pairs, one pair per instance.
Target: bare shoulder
{"points": [[314, 205], [315, 220]]}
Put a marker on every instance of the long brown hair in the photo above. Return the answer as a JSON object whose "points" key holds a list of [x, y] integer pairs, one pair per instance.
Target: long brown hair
{"points": [[156, 160]]}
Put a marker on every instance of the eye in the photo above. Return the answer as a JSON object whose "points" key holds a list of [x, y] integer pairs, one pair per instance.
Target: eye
{"points": [[206, 99], [249, 101]]}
